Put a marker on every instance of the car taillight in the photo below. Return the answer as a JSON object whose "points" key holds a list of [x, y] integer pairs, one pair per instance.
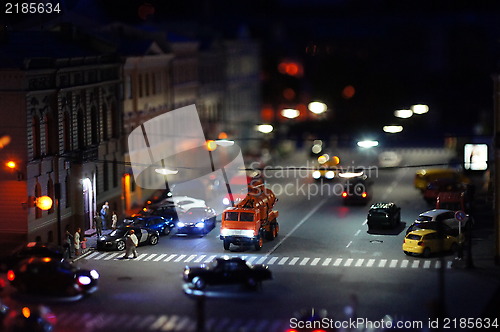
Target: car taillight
{"points": [[404, 240], [83, 280], [420, 243], [364, 194], [344, 194], [11, 275]]}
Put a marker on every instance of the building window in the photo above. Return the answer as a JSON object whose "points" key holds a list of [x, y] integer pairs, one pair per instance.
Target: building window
{"points": [[81, 129], [146, 79], [128, 87], [105, 172], [66, 132], [38, 193], [94, 124], [35, 133], [105, 122]]}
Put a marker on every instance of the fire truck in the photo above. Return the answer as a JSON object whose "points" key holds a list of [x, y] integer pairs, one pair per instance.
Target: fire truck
{"points": [[251, 220]]}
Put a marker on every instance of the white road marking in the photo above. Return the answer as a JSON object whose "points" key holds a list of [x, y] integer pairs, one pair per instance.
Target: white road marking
{"points": [[349, 244], [150, 257], [348, 262], [337, 262], [415, 264], [181, 257], [304, 261], [159, 257], [272, 260], [199, 259], [393, 263], [282, 261], [327, 262], [370, 262], [293, 261], [169, 258], [427, 264], [382, 262], [315, 261], [359, 262], [404, 263], [357, 232]]}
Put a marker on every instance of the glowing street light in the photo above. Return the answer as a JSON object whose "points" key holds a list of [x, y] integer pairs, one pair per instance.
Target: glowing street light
{"points": [[392, 129], [265, 128], [166, 171], [11, 164], [317, 107], [290, 113], [403, 114], [43, 202], [420, 109], [366, 144]]}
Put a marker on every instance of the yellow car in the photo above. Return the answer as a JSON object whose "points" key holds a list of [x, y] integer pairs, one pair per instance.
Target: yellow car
{"points": [[425, 176], [424, 242], [328, 167]]}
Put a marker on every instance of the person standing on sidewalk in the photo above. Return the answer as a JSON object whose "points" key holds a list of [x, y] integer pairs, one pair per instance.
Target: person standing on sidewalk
{"points": [[104, 214], [76, 241], [68, 244], [98, 224], [114, 220], [131, 244]]}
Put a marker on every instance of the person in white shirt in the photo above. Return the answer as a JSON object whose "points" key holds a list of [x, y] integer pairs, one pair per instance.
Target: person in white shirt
{"points": [[131, 244]]}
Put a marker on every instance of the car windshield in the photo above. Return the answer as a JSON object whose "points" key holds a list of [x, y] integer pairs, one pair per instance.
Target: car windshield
{"points": [[118, 232], [378, 212], [413, 237], [424, 218]]}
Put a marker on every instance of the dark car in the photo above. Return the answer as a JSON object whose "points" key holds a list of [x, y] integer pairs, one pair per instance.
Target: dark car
{"points": [[356, 191], [53, 278], [196, 220], [383, 215], [226, 270], [435, 187], [157, 223], [31, 249], [116, 239]]}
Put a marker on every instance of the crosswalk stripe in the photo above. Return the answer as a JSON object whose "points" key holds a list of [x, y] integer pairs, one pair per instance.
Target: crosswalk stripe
{"points": [[159, 322], [101, 256], [415, 264], [293, 261], [95, 253], [148, 320], [404, 263], [190, 258], [261, 260], [315, 261], [251, 259], [181, 257], [169, 258], [199, 259], [438, 264], [348, 262], [209, 259], [170, 324], [304, 261], [107, 258], [159, 258], [393, 263], [337, 262], [427, 264], [448, 265], [272, 260], [359, 262], [326, 261], [370, 262], [141, 256], [382, 262], [183, 324], [282, 261], [150, 257]]}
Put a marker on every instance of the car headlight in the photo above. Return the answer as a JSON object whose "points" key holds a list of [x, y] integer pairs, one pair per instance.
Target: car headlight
{"points": [[330, 175], [84, 280], [226, 201], [180, 224], [200, 225], [224, 232], [316, 174], [94, 274], [102, 238], [247, 232]]}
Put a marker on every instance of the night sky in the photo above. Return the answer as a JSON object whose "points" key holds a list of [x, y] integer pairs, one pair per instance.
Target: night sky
{"points": [[394, 53]]}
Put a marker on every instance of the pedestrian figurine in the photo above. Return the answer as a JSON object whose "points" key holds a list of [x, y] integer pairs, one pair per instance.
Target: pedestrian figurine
{"points": [[68, 244], [98, 224], [76, 241], [104, 214], [131, 244], [114, 220]]}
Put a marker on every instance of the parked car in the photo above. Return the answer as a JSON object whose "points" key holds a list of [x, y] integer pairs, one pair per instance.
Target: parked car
{"points": [[427, 241], [31, 249], [383, 215], [452, 200], [157, 223], [443, 185], [425, 176], [116, 239], [433, 219], [227, 270], [196, 220], [51, 277]]}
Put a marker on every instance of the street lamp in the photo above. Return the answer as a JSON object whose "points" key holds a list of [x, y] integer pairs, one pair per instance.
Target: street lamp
{"points": [[403, 114], [393, 129], [420, 109], [317, 107], [265, 128], [290, 113]]}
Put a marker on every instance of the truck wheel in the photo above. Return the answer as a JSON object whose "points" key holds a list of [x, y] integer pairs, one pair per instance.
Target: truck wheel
{"points": [[276, 229], [259, 243], [227, 244]]}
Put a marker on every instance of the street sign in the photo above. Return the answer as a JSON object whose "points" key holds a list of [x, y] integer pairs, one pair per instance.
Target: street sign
{"points": [[460, 216]]}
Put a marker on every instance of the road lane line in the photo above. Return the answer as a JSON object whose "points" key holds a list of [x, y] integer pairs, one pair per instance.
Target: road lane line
{"points": [[282, 261], [382, 262], [438, 264], [357, 232], [159, 258], [169, 258], [370, 262], [95, 253], [293, 261], [315, 261], [326, 261], [189, 259], [337, 262], [251, 259], [415, 264], [304, 261], [141, 256], [272, 260], [209, 259], [393, 263], [404, 263], [199, 259], [359, 262], [427, 264], [111, 256], [297, 226], [349, 244]]}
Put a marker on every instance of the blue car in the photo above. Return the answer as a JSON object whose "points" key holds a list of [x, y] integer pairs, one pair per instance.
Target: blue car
{"points": [[196, 220], [158, 223]]}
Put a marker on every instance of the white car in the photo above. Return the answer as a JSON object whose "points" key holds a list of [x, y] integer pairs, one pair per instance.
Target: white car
{"points": [[181, 203], [431, 220]]}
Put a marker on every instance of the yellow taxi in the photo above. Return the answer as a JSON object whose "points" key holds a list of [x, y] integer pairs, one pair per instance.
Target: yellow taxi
{"points": [[424, 242], [424, 177], [328, 167]]}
